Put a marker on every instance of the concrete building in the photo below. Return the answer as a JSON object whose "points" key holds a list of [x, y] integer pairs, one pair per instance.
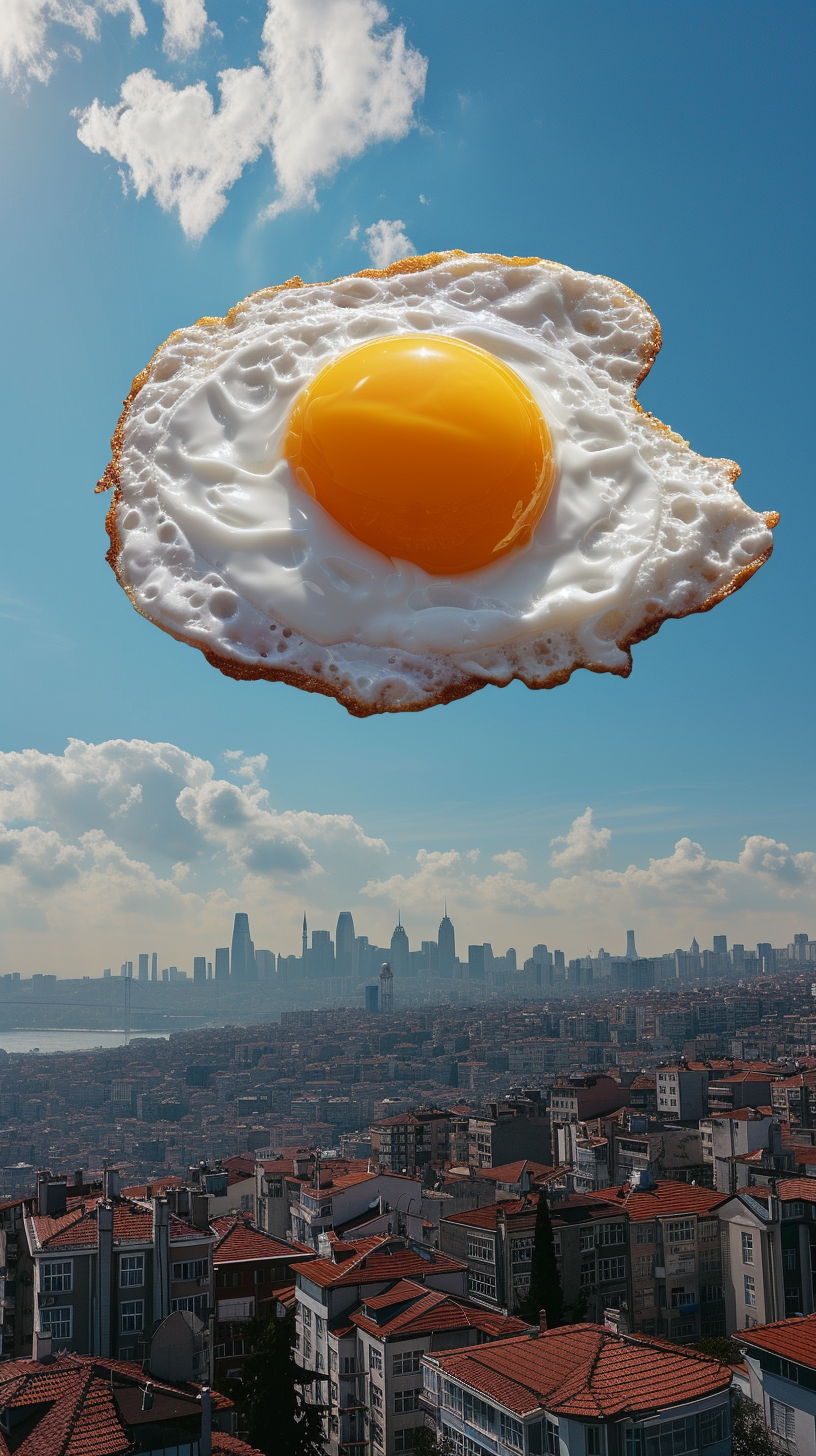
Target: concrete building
{"points": [[250, 1268], [682, 1093], [771, 1252], [412, 1141], [781, 1361], [729, 1136], [578, 1390], [516, 1128]]}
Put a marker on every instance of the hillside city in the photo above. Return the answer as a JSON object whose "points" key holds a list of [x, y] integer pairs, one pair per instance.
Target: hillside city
{"points": [[378, 1152]]}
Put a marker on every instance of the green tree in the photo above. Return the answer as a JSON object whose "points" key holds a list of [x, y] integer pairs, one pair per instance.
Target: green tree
{"points": [[749, 1433], [428, 1443], [545, 1286], [274, 1410], [721, 1348]]}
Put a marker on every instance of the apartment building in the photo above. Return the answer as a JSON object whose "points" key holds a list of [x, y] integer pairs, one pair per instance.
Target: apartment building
{"points": [[676, 1260], [105, 1270], [496, 1243], [356, 1203], [328, 1291], [682, 1093], [771, 1252], [395, 1330], [781, 1361], [578, 1391], [579, 1100], [411, 1141], [793, 1099], [731, 1135], [515, 1128], [250, 1269]]}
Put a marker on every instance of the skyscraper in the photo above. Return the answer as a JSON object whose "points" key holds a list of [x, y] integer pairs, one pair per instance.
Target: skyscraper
{"points": [[222, 971], [154, 966], [721, 945], [244, 970], [386, 989], [199, 969], [631, 953], [321, 956], [344, 943], [446, 941], [400, 951], [143, 966]]}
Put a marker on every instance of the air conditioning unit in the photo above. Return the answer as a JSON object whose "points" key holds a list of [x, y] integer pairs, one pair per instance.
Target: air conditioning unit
{"points": [[204, 1283]]}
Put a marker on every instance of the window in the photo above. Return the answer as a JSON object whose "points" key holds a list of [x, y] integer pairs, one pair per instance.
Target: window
{"points": [[644, 1266], [307, 1348], [57, 1277], [681, 1298], [680, 1231], [714, 1426], [612, 1233], [587, 1275], [376, 1397], [552, 1444], [790, 1258], [452, 1396], [406, 1400], [783, 1420], [404, 1440], [481, 1249], [747, 1248], [586, 1241], [710, 1261], [750, 1290], [670, 1438], [306, 1316], [195, 1303], [644, 1233], [319, 1325], [192, 1269], [375, 1360], [522, 1250], [609, 1269], [477, 1412], [511, 1431], [483, 1284], [131, 1271], [710, 1293], [58, 1323], [793, 1210], [407, 1363], [594, 1441], [131, 1315], [708, 1230], [376, 1434], [348, 1365]]}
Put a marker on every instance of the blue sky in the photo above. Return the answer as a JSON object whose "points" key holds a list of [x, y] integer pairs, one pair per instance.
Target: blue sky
{"points": [[668, 145]]}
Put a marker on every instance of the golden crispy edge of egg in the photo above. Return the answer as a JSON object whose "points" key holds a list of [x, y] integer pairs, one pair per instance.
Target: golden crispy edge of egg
{"points": [[465, 684]]}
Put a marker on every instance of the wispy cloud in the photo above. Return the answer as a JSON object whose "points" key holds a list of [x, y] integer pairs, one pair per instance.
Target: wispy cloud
{"points": [[332, 79], [185, 27], [28, 36]]}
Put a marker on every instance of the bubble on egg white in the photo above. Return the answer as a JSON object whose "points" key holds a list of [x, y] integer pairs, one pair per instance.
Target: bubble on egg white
{"points": [[216, 542]]}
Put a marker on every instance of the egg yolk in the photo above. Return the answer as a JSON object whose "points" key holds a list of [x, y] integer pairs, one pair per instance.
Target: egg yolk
{"points": [[426, 448]]}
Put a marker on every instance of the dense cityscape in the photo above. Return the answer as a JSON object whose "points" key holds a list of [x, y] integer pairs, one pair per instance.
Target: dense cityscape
{"points": [[387, 1131]]}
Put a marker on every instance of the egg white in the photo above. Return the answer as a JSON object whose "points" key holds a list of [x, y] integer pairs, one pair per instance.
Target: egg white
{"points": [[215, 542]]}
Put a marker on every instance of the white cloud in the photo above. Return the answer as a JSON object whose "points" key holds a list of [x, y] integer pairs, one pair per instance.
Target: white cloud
{"points": [[756, 896], [387, 242], [332, 81], [131, 831], [583, 843], [27, 41], [185, 27]]}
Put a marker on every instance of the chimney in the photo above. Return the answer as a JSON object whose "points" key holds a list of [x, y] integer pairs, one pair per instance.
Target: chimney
{"points": [[104, 1274], [542, 1321], [110, 1183], [205, 1446], [161, 1258], [79, 1178], [199, 1210]]}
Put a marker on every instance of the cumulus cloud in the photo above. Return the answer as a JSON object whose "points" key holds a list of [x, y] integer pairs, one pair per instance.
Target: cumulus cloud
{"points": [[185, 27], [388, 242], [758, 893], [583, 843], [27, 38], [332, 80], [108, 831]]}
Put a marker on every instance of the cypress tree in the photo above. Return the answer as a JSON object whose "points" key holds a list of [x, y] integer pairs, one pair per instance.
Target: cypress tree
{"points": [[271, 1398], [545, 1286]]}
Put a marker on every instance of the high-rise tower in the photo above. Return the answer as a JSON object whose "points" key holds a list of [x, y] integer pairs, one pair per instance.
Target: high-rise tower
{"points": [[305, 939], [244, 970], [344, 943], [387, 989], [631, 953], [447, 946], [222, 963], [400, 951]]}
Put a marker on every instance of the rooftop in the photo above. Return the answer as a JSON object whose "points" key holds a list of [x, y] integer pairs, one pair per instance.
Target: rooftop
{"points": [[378, 1259], [662, 1200], [587, 1372], [792, 1339]]}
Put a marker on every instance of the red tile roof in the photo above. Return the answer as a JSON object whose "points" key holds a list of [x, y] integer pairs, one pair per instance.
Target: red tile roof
{"points": [[793, 1339], [376, 1260], [792, 1190], [86, 1398], [587, 1372], [417, 1310], [77, 1228], [240, 1240], [664, 1199], [512, 1172]]}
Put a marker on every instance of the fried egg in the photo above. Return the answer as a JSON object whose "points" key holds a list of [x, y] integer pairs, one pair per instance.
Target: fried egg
{"points": [[406, 484]]}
